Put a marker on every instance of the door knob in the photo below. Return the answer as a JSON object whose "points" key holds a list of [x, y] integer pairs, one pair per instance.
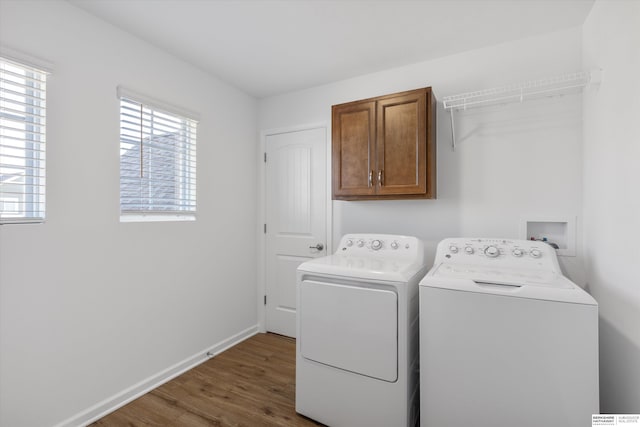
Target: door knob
{"points": [[319, 247]]}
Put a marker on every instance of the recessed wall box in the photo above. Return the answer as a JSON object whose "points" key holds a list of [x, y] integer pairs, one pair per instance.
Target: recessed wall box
{"points": [[558, 230]]}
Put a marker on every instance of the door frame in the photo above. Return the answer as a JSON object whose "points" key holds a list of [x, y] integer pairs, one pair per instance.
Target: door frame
{"points": [[262, 210]]}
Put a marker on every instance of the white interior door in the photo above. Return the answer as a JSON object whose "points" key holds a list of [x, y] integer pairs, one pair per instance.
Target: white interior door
{"points": [[296, 218]]}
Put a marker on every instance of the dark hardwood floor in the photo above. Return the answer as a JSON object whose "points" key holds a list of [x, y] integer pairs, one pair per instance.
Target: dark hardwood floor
{"points": [[249, 385]]}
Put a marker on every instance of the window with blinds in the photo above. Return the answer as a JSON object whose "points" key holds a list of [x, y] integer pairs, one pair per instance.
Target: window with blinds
{"points": [[22, 142], [157, 163]]}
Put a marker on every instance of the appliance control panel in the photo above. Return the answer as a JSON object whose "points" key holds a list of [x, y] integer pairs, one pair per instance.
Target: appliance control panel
{"points": [[506, 253], [380, 244]]}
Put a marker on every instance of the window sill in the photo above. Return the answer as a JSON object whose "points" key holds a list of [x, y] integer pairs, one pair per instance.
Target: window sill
{"points": [[156, 218], [7, 221]]}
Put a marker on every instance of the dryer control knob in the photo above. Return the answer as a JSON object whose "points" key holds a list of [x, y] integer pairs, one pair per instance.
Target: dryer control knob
{"points": [[536, 253], [349, 242], [394, 245], [376, 244], [491, 251], [469, 250], [360, 243], [453, 249], [517, 252]]}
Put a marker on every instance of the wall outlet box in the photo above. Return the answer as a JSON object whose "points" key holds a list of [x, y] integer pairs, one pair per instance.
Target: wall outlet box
{"points": [[558, 230]]}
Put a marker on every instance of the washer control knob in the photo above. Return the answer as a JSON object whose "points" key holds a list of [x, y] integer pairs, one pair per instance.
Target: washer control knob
{"points": [[360, 243], [517, 252], [349, 242], [376, 244], [469, 250], [394, 245], [536, 253], [453, 249], [491, 251]]}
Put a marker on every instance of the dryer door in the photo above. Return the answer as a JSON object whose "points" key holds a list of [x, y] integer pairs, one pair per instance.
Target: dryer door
{"points": [[350, 327]]}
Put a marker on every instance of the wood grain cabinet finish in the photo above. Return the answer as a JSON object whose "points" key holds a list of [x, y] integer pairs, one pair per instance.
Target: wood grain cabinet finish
{"points": [[384, 147]]}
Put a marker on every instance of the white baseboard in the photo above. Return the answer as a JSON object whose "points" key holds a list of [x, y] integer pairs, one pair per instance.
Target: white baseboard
{"points": [[110, 404]]}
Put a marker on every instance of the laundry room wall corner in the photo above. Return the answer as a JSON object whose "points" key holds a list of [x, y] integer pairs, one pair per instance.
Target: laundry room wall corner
{"points": [[611, 41]]}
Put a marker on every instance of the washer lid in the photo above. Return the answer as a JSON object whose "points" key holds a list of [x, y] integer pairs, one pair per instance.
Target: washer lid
{"points": [[363, 267], [502, 275], [520, 283]]}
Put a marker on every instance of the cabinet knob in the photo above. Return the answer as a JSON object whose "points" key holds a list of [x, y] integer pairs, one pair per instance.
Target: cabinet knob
{"points": [[370, 178], [380, 177]]}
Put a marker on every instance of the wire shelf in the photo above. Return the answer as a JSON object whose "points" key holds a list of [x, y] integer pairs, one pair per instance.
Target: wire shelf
{"points": [[519, 92], [552, 86]]}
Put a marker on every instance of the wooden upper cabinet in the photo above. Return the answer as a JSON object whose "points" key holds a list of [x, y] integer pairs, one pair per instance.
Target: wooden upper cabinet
{"points": [[384, 148], [353, 148]]}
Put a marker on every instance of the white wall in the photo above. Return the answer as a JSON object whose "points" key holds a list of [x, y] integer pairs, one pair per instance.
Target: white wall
{"points": [[514, 161], [611, 204], [89, 306]]}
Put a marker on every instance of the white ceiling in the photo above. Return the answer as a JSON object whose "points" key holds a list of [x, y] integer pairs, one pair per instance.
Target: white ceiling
{"points": [[270, 47]]}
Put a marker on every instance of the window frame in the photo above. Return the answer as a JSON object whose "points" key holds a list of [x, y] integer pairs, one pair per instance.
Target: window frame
{"points": [[185, 158], [28, 105]]}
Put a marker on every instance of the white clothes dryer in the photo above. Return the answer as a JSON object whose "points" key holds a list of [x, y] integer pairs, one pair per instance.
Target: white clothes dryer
{"points": [[505, 339], [357, 333]]}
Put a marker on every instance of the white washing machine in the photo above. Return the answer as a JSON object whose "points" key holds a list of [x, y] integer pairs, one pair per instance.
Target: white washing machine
{"points": [[357, 333], [505, 339]]}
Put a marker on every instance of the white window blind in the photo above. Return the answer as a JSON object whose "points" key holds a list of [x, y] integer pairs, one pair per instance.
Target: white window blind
{"points": [[157, 163], [22, 142]]}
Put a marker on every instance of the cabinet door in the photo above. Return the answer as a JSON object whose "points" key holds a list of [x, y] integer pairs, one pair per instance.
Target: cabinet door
{"points": [[353, 148], [402, 144]]}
